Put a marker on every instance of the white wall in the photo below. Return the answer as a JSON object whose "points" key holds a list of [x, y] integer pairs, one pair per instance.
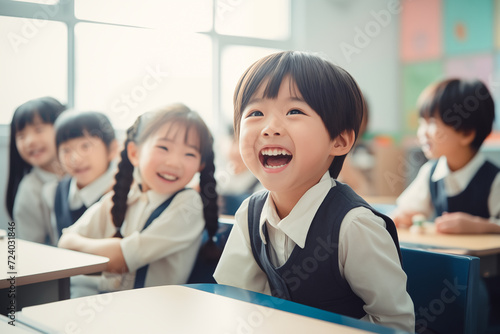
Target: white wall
{"points": [[330, 25]]}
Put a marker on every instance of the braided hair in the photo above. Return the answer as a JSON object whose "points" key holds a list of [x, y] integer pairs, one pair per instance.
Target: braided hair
{"points": [[145, 126]]}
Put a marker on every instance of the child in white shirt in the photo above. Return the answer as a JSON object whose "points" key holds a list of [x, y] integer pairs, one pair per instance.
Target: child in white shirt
{"points": [[32, 164], [151, 229], [309, 238]]}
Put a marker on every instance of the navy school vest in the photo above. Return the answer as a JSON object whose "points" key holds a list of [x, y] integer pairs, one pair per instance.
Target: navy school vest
{"points": [[473, 200], [65, 217], [311, 275], [140, 275]]}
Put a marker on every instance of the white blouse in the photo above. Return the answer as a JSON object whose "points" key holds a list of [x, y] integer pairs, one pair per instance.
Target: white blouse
{"points": [[169, 245], [31, 214], [417, 197]]}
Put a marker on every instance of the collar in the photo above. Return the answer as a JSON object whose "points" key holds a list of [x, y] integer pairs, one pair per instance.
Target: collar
{"points": [[461, 177], [151, 197], [91, 193], [297, 223]]}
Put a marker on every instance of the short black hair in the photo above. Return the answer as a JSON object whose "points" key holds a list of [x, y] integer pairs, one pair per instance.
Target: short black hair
{"points": [[75, 124], [465, 105], [327, 88]]}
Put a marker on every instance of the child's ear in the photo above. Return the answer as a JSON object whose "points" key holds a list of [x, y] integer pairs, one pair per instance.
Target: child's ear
{"points": [[468, 137], [133, 153], [202, 167], [342, 144]]}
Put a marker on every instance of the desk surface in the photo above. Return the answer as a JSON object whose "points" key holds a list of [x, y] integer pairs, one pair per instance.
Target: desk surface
{"points": [[174, 309], [36, 263], [470, 244]]}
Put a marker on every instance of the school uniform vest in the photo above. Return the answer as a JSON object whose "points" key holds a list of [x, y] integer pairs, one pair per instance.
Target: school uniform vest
{"points": [[311, 275], [473, 200], [141, 273], [65, 217]]}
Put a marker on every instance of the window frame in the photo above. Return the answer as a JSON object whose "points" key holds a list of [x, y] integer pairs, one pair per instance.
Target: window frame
{"points": [[64, 12]]}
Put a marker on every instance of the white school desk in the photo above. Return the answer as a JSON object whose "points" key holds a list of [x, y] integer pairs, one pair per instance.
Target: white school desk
{"points": [[42, 272], [6, 328], [173, 309]]}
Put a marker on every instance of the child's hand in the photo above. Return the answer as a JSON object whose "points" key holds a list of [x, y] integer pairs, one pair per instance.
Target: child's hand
{"points": [[403, 219], [459, 222]]}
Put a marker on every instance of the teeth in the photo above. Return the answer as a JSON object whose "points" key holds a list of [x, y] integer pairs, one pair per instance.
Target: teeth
{"points": [[168, 177], [275, 151], [274, 167]]}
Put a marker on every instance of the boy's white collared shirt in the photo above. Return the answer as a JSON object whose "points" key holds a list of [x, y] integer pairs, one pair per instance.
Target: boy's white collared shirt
{"points": [[374, 275], [417, 196], [292, 230]]}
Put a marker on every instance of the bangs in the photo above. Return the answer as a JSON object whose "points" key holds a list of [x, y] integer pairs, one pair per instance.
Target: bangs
{"points": [[428, 101], [26, 116], [182, 119], [190, 132], [45, 109], [328, 89], [76, 124]]}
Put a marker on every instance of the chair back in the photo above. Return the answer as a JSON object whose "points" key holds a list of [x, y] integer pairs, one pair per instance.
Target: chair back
{"points": [[444, 289], [204, 269]]}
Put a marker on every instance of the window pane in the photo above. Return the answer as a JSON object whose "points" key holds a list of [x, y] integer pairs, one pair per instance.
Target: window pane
{"points": [[235, 60], [257, 18], [186, 15], [127, 71], [42, 2], [33, 62]]}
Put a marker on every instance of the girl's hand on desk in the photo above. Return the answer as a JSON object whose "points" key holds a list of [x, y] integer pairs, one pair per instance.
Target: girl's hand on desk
{"points": [[108, 247], [462, 223]]}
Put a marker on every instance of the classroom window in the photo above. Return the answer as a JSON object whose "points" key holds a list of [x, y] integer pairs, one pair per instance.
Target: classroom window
{"points": [[33, 57], [190, 15], [43, 2], [258, 18], [235, 60], [125, 57], [128, 71]]}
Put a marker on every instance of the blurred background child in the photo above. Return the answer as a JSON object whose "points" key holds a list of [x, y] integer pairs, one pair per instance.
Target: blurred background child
{"points": [[32, 163], [458, 188], [151, 229], [86, 148]]}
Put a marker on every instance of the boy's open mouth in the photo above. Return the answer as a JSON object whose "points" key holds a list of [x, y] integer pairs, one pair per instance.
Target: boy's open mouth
{"points": [[275, 157]]}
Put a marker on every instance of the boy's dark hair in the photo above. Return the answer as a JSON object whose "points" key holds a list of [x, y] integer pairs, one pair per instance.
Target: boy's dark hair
{"points": [[145, 126], [465, 105], [75, 124], [47, 109], [326, 88]]}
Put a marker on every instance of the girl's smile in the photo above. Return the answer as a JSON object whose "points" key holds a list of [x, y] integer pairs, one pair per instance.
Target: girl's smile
{"points": [[168, 160]]}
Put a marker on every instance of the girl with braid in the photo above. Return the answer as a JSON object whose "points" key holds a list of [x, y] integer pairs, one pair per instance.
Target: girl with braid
{"points": [[150, 226]]}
